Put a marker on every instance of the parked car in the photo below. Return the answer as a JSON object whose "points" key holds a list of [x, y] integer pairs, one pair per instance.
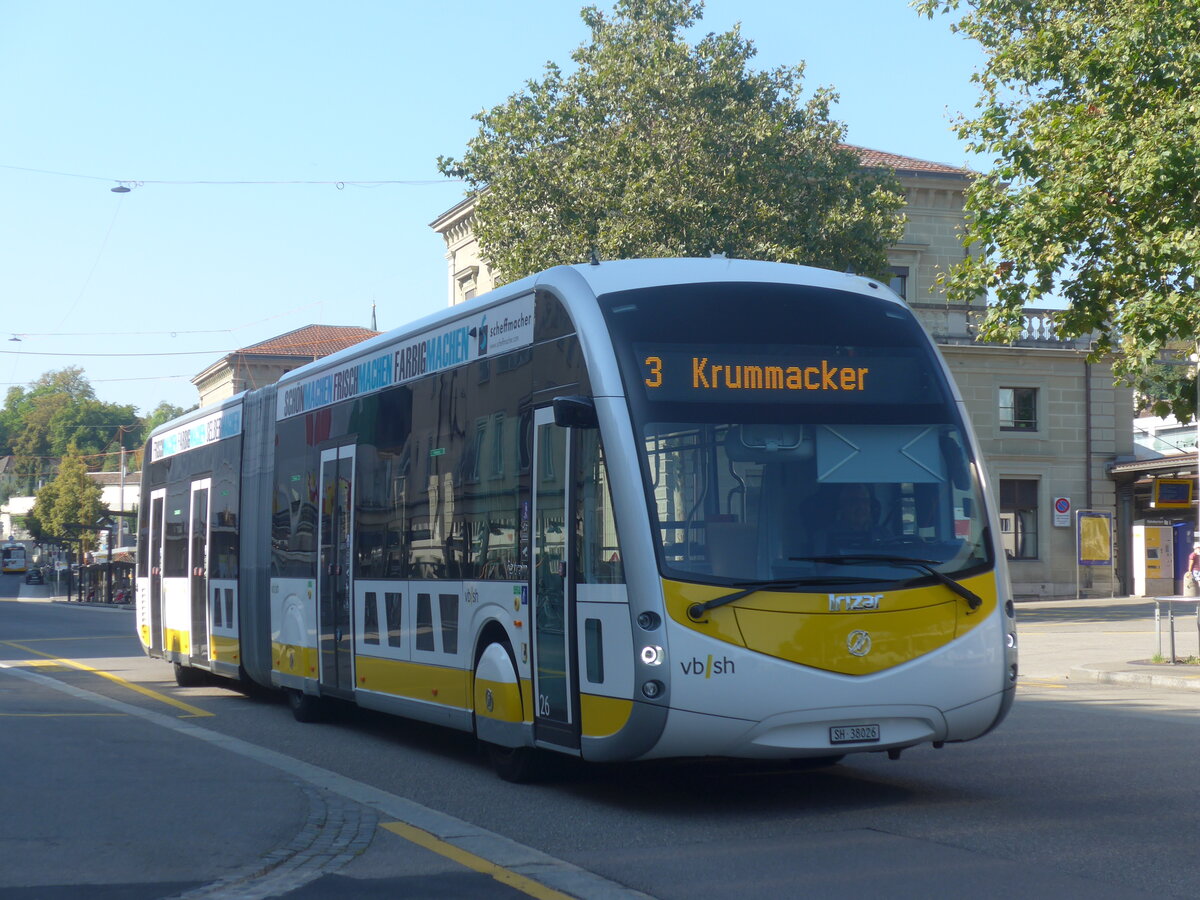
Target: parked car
{"points": [[34, 576]]}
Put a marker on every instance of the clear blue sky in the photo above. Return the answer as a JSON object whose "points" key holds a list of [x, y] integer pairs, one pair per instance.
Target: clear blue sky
{"points": [[358, 90]]}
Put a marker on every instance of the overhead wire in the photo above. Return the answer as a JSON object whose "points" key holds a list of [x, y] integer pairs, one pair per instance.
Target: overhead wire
{"points": [[339, 183]]}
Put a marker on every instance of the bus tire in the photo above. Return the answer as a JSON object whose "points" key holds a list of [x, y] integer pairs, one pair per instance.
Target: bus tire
{"points": [[305, 707], [187, 676], [520, 765], [516, 764]]}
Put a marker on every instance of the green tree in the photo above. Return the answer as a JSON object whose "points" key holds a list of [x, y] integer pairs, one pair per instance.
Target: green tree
{"points": [[60, 410], [161, 414], [653, 146], [1091, 111], [70, 499]]}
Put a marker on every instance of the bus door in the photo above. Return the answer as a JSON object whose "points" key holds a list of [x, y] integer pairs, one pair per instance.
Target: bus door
{"points": [[198, 533], [333, 572], [154, 546], [556, 718]]}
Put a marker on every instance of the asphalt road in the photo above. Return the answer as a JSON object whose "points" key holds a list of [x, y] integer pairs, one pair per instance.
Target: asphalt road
{"points": [[1085, 791]]}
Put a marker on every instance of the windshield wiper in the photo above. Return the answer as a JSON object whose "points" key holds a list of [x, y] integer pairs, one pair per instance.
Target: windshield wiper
{"points": [[974, 601], [697, 610]]}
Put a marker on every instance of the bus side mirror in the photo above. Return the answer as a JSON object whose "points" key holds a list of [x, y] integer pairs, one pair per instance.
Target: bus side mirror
{"points": [[575, 412]]}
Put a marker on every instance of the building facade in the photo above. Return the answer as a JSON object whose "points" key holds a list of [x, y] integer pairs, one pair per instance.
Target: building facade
{"points": [[265, 362], [1050, 424]]}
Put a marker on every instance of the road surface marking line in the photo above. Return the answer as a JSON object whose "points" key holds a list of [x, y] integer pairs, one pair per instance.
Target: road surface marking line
{"points": [[191, 711], [471, 861]]}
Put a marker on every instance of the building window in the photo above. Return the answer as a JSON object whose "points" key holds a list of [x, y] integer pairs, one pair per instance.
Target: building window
{"points": [[1019, 517], [899, 282], [1018, 409], [466, 280]]}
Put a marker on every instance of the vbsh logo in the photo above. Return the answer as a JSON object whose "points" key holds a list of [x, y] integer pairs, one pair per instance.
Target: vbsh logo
{"points": [[707, 667]]}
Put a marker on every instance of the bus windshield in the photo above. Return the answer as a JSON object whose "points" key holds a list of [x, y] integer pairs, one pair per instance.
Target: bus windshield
{"points": [[830, 459]]}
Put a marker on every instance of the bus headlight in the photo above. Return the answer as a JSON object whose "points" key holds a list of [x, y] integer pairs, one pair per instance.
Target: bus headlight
{"points": [[652, 689], [652, 656]]}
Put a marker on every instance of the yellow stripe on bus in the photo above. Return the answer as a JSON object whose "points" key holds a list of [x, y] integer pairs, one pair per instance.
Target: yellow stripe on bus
{"points": [[438, 684]]}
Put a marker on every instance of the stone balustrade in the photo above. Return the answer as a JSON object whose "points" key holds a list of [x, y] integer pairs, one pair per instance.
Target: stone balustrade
{"points": [[959, 324]]}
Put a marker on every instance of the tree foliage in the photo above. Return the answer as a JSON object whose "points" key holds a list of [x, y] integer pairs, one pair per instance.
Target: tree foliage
{"points": [[161, 414], [60, 410], [654, 146], [70, 499], [1091, 111]]}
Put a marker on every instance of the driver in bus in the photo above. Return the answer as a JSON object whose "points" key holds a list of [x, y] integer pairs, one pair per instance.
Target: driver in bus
{"points": [[855, 516]]}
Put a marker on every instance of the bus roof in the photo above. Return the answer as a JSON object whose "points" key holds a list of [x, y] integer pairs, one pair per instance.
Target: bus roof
{"points": [[603, 278]]}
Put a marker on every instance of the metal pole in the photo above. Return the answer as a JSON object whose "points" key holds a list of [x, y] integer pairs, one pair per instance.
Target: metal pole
{"points": [[109, 573], [1171, 622]]}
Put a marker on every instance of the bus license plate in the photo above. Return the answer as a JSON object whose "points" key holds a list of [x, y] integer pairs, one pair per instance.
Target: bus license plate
{"points": [[853, 734]]}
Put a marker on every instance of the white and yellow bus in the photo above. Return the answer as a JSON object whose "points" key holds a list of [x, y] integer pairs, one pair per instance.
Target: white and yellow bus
{"points": [[627, 510], [12, 557]]}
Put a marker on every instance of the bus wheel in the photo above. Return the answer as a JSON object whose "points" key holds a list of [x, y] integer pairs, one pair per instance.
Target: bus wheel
{"points": [[519, 765], [187, 676], [498, 699], [305, 707]]}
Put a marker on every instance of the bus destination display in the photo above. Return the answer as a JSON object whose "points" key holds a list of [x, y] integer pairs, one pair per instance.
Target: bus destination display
{"points": [[779, 374]]}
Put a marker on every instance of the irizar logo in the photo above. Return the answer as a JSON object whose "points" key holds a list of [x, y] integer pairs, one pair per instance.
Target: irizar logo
{"points": [[707, 667], [853, 602]]}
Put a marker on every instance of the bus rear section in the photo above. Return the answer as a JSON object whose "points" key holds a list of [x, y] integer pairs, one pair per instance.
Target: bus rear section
{"points": [[188, 587]]}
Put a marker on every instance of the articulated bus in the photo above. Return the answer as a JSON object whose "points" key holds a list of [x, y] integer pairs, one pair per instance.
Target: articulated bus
{"points": [[12, 557], [622, 511]]}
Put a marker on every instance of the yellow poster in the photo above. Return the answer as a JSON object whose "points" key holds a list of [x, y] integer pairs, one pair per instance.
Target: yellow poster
{"points": [[1153, 554], [1095, 540]]}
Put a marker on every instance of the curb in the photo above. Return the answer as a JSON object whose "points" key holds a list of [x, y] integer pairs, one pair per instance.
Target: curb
{"points": [[93, 605], [1142, 679]]}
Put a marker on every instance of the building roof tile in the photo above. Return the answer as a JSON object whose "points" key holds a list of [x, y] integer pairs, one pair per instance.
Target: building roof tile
{"points": [[879, 159], [311, 341]]}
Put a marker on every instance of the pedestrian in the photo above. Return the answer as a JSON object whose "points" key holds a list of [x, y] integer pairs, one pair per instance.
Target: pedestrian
{"points": [[1191, 578]]}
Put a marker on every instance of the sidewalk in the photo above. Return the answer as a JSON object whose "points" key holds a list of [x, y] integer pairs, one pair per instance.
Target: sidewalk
{"points": [[47, 593], [1110, 641]]}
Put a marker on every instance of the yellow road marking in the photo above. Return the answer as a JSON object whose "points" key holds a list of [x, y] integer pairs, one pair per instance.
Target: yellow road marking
{"points": [[1034, 683], [471, 861], [191, 711]]}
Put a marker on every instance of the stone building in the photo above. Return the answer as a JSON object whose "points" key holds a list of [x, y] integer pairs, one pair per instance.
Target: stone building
{"points": [[1050, 424], [265, 362]]}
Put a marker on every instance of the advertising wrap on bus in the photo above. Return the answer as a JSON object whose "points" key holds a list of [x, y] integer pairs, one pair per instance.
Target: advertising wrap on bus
{"points": [[491, 332], [216, 427]]}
